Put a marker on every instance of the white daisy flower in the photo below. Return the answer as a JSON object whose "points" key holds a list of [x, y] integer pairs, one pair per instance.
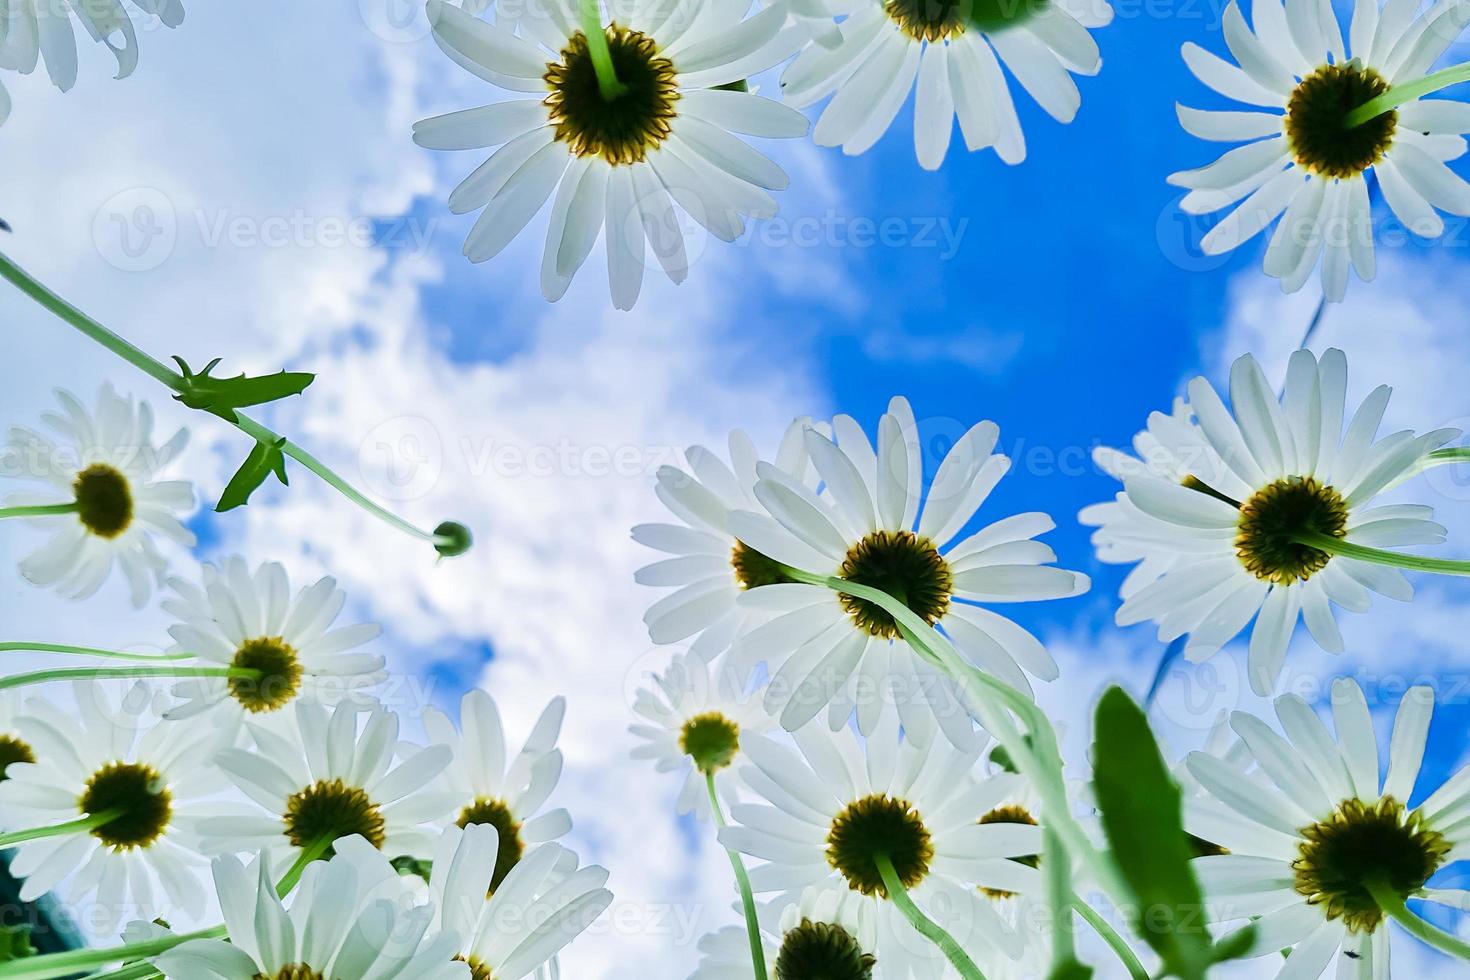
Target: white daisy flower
{"points": [[488, 786], [830, 812], [36, 30], [698, 720], [950, 54], [828, 932], [873, 525], [14, 745], [544, 904], [1315, 828], [350, 918], [316, 775], [1221, 543], [104, 482], [668, 140], [1302, 160], [244, 619], [111, 753], [711, 567]]}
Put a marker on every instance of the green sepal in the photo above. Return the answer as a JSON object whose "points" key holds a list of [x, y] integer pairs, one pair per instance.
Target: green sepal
{"points": [[15, 943], [221, 396], [1143, 817], [453, 539], [265, 459]]}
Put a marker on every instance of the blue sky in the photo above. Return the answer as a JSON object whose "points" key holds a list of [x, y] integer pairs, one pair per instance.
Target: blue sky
{"points": [[1074, 303]]}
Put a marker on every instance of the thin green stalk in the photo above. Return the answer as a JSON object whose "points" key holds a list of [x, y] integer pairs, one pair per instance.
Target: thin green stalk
{"points": [[312, 852], [39, 510], [1110, 936], [1417, 563], [1393, 906], [175, 382], [78, 826], [1059, 899], [1400, 94], [22, 646], [1453, 454], [747, 897], [75, 961], [924, 925], [101, 673], [597, 48]]}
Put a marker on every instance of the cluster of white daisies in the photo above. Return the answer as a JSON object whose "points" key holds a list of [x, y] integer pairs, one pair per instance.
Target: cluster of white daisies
{"points": [[668, 151], [256, 749], [851, 770]]}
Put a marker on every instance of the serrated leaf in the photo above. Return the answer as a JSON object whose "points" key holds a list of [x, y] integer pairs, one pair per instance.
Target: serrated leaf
{"points": [[1142, 815], [15, 943], [222, 396], [264, 460]]}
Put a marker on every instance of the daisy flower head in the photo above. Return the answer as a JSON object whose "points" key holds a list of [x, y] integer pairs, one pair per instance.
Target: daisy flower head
{"points": [[709, 567], [517, 930], [830, 815], [950, 54], [1301, 162], [621, 164], [32, 31], [240, 618], [825, 932], [695, 721], [873, 524], [15, 746], [112, 754], [350, 918], [317, 774], [104, 499], [1316, 844], [1223, 546], [489, 786]]}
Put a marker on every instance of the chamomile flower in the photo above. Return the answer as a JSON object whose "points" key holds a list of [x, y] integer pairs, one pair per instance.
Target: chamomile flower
{"points": [[698, 720], [1221, 543], [104, 480], [950, 55], [1314, 832], [544, 904], [316, 774], [250, 619], [111, 754], [830, 812], [826, 932], [1300, 162], [488, 786], [873, 525], [35, 30], [621, 165], [15, 746], [710, 567], [350, 918]]}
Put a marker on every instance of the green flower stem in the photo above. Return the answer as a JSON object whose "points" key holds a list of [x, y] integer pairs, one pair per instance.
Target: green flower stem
{"points": [[40, 510], [74, 961], [78, 826], [1110, 936], [22, 646], [1454, 454], [1059, 899], [175, 382], [1393, 906], [602, 63], [747, 897], [317, 849], [98, 673], [1416, 563], [991, 700], [1400, 94], [924, 925]]}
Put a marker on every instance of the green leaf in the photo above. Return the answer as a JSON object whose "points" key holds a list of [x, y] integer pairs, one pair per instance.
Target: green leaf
{"points": [[221, 396], [1070, 970], [15, 943], [1142, 815], [264, 460], [407, 865], [1234, 946]]}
